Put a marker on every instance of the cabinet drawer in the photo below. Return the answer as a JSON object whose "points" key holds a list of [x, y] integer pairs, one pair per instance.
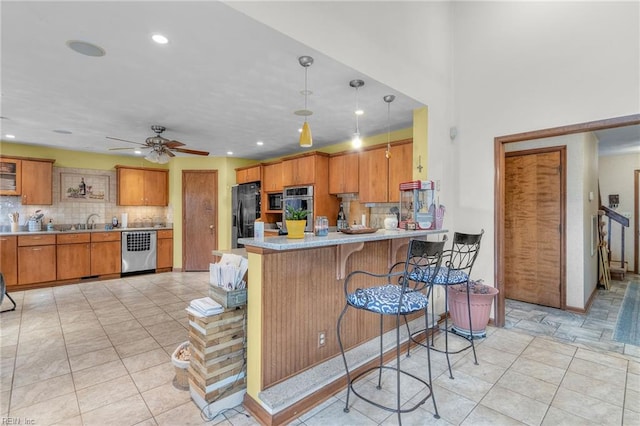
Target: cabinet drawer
{"points": [[165, 233], [36, 240], [73, 238], [105, 236]]}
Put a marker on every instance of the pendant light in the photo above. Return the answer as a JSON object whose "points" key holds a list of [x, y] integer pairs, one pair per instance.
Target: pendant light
{"points": [[356, 141], [388, 99], [306, 141]]}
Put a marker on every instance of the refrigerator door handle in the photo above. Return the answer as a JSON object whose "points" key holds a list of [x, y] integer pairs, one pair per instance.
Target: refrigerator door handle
{"points": [[240, 222]]}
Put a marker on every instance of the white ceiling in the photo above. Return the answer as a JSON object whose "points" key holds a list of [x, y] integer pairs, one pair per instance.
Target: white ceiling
{"points": [[222, 83]]}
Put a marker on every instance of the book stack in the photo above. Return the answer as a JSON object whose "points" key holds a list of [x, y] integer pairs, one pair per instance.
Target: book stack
{"points": [[217, 356], [205, 307]]}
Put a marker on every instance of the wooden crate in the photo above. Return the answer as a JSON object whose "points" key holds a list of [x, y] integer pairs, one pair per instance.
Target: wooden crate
{"points": [[214, 394]]}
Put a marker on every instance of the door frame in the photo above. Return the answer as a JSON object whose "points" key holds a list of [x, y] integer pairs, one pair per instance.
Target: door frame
{"points": [[499, 190], [636, 221]]}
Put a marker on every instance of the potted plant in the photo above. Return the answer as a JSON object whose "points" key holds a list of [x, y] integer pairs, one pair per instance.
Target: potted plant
{"points": [[480, 299], [296, 220]]}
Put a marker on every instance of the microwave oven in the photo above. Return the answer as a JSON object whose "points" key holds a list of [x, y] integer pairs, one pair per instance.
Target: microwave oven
{"points": [[275, 201]]}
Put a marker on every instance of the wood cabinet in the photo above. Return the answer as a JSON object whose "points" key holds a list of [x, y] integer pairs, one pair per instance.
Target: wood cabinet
{"points": [[9, 259], [248, 174], [400, 169], [36, 258], [73, 255], [164, 252], [105, 253], [139, 186], [299, 170], [343, 173], [379, 178], [32, 178], [10, 176], [272, 177]]}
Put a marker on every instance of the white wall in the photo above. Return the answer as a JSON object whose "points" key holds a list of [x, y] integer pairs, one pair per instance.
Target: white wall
{"points": [[490, 68], [616, 177]]}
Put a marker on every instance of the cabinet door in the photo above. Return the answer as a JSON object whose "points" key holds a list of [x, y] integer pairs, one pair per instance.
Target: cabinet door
{"points": [[306, 170], [9, 259], [164, 253], [130, 187], [36, 264], [400, 169], [155, 187], [105, 258], [37, 182], [73, 260], [10, 176], [288, 173], [373, 176], [343, 174], [272, 180], [252, 174]]}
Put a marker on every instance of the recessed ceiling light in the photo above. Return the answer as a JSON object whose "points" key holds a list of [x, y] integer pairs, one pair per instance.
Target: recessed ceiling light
{"points": [[160, 39], [85, 48], [300, 130], [10, 136], [62, 131], [229, 152], [259, 143], [137, 151], [359, 112]]}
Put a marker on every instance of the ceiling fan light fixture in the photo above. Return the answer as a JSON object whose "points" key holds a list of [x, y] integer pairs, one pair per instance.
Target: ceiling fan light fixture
{"points": [[306, 140]]}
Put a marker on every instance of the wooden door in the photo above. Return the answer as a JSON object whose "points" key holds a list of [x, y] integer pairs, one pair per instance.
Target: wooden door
{"points": [[199, 218], [37, 182], [534, 222]]}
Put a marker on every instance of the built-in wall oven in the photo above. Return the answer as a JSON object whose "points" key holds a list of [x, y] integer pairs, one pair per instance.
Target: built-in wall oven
{"points": [[138, 251], [299, 197]]}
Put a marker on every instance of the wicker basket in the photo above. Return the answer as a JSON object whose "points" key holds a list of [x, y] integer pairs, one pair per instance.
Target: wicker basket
{"points": [[182, 375]]}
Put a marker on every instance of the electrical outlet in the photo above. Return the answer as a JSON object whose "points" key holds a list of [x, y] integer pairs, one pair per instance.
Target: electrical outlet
{"points": [[322, 338]]}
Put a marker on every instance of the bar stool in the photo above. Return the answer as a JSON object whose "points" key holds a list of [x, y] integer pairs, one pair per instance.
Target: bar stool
{"points": [[3, 293], [401, 298], [458, 263]]}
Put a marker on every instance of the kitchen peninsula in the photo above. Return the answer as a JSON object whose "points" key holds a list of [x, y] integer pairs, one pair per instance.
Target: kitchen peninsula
{"points": [[295, 294]]}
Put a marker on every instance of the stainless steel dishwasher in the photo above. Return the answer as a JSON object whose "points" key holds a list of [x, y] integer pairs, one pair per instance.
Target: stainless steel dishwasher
{"points": [[138, 251]]}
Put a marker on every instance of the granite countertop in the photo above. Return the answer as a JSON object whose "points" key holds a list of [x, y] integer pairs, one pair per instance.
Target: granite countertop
{"points": [[334, 238], [45, 232]]}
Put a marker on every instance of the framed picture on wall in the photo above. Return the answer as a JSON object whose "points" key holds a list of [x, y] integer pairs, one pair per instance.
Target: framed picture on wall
{"points": [[84, 188]]}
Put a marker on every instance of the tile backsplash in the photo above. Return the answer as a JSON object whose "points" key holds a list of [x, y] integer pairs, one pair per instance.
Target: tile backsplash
{"points": [[66, 211]]}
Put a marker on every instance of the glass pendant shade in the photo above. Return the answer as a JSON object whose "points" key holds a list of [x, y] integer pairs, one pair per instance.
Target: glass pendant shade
{"points": [[306, 140], [356, 141]]}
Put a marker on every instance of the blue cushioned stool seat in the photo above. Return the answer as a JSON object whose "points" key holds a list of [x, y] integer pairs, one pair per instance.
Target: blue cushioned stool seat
{"points": [[386, 300], [444, 276]]}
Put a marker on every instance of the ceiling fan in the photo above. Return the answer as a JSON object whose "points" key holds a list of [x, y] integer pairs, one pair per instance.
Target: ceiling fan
{"points": [[161, 148]]}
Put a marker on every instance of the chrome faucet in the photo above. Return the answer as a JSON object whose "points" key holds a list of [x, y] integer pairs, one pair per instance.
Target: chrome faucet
{"points": [[92, 225]]}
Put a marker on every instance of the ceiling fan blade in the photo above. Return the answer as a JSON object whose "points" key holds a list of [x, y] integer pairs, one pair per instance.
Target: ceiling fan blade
{"points": [[191, 151], [119, 149], [173, 144], [169, 153], [124, 140]]}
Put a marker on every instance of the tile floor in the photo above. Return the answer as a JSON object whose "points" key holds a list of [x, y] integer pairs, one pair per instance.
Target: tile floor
{"points": [[99, 353]]}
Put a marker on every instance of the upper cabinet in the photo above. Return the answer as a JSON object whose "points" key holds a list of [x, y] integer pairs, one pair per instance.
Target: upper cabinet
{"points": [[299, 170], [272, 177], [138, 186], [379, 177], [248, 174], [343, 173], [32, 178]]}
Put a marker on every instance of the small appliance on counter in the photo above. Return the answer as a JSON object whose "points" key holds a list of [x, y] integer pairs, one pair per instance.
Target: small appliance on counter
{"points": [[417, 205]]}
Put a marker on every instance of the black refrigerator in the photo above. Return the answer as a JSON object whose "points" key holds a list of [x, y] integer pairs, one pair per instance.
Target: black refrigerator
{"points": [[245, 209]]}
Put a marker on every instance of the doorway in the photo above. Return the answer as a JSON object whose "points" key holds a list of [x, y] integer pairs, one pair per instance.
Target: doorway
{"points": [[499, 189], [636, 221], [199, 218], [534, 223]]}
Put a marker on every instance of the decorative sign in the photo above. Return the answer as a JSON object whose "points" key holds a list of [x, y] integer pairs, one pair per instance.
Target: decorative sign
{"points": [[78, 187]]}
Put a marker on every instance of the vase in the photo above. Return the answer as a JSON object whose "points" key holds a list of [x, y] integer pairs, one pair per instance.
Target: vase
{"points": [[480, 310], [295, 228]]}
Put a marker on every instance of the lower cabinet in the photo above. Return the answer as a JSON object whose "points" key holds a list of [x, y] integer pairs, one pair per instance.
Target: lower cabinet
{"points": [[36, 259], [9, 259], [73, 255], [164, 251], [105, 253]]}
